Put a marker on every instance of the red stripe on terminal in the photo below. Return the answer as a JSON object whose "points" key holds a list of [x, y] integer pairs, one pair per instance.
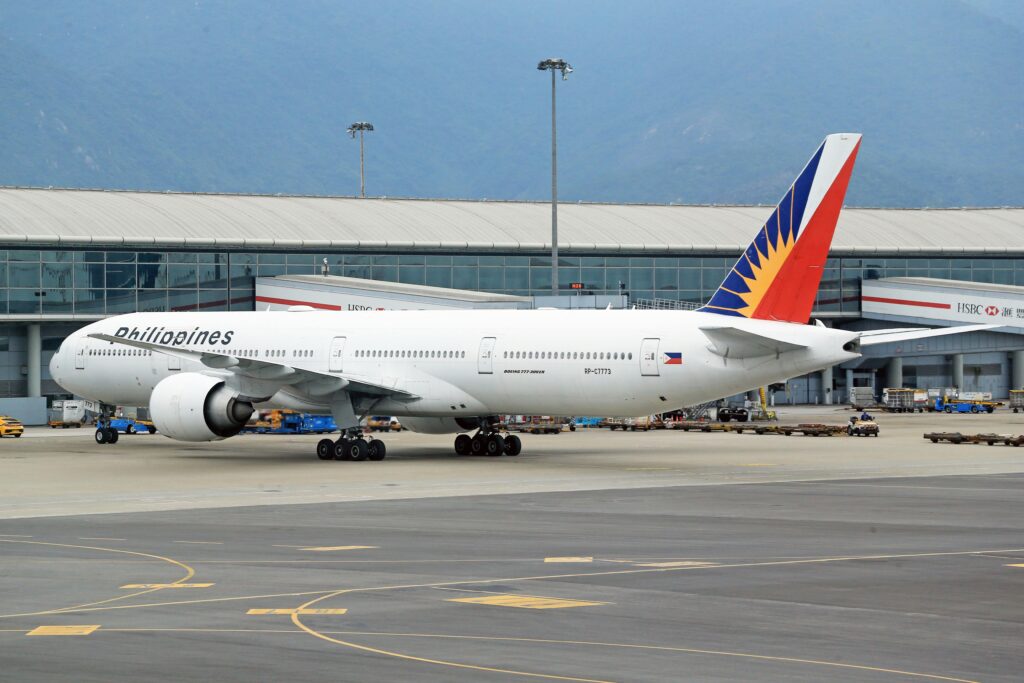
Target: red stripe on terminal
{"points": [[905, 302], [293, 302]]}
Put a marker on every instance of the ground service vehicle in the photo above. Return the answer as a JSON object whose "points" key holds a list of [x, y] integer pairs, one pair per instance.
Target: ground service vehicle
{"points": [[454, 371], [383, 423], [10, 426], [954, 405], [733, 413], [1016, 399], [859, 427]]}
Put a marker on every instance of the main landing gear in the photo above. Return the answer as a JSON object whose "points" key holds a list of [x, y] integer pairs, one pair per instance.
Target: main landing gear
{"points": [[488, 443], [351, 446]]}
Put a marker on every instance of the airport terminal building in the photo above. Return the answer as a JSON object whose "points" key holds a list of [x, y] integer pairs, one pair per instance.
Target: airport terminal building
{"points": [[69, 257]]}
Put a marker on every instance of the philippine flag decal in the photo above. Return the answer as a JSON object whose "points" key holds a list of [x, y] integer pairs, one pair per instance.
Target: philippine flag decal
{"points": [[673, 358]]}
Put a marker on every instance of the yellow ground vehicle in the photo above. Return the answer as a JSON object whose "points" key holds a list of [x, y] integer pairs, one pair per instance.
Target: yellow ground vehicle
{"points": [[383, 423], [10, 426]]}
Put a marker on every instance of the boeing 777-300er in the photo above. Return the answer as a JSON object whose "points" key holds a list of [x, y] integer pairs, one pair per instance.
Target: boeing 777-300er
{"points": [[202, 374]]}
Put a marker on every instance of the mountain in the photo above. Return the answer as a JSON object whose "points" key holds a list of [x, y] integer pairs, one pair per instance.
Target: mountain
{"points": [[698, 102]]}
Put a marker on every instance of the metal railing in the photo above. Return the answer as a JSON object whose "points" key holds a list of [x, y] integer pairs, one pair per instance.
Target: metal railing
{"points": [[665, 305]]}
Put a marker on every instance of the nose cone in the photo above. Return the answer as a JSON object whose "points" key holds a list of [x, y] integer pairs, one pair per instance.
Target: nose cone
{"points": [[55, 365]]}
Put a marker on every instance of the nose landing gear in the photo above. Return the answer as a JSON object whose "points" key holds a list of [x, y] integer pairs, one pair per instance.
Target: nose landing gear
{"points": [[106, 435]]}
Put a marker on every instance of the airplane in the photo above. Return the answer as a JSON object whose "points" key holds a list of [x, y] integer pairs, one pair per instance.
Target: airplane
{"points": [[202, 375]]}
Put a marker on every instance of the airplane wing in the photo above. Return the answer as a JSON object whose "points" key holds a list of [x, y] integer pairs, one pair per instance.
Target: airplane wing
{"points": [[873, 337], [317, 383], [730, 342]]}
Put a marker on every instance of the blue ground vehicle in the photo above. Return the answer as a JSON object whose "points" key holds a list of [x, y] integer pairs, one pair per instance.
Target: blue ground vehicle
{"points": [[286, 422], [957, 406], [318, 424], [108, 428]]}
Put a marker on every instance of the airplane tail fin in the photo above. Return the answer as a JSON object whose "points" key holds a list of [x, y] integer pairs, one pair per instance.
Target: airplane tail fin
{"points": [[777, 276]]}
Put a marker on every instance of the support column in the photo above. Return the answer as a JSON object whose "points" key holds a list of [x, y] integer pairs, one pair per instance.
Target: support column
{"points": [[958, 371], [1017, 369], [826, 385], [849, 384], [33, 360], [894, 373]]}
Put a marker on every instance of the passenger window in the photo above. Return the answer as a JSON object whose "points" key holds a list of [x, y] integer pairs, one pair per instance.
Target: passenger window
{"points": [[631, 356]]}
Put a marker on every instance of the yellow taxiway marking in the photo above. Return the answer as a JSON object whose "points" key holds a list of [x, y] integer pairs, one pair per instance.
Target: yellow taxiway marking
{"points": [[322, 594], [329, 548], [686, 563], [63, 630], [261, 611], [202, 542], [568, 559], [526, 601], [167, 585], [649, 469], [1015, 565], [325, 635], [189, 573]]}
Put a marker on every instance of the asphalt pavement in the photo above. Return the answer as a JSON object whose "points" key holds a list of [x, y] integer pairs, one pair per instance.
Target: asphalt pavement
{"points": [[889, 579]]}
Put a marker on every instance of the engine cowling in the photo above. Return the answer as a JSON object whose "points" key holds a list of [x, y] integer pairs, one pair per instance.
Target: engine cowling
{"points": [[439, 425], [195, 407]]}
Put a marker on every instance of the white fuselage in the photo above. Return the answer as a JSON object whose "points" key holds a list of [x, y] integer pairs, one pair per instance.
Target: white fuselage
{"points": [[458, 363]]}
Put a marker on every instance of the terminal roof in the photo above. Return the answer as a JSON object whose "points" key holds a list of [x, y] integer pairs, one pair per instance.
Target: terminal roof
{"points": [[83, 218]]}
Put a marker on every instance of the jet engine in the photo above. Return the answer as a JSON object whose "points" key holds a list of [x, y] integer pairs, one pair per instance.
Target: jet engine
{"points": [[194, 407], [440, 425]]}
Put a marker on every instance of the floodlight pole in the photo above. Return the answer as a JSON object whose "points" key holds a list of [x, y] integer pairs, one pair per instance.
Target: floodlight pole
{"points": [[554, 193], [361, 127], [362, 167], [554, 65]]}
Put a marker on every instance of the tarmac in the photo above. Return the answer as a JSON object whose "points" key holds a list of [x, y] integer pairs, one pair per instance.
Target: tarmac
{"points": [[594, 556]]}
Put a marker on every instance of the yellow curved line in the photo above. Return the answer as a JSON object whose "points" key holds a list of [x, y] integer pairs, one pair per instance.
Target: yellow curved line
{"points": [[189, 573], [666, 648], [543, 577], [425, 660]]}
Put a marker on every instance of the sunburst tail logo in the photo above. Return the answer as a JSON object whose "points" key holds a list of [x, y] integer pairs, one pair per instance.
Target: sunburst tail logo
{"points": [[777, 276]]}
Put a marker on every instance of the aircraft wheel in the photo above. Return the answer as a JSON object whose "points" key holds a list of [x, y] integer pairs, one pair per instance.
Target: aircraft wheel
{"points": [[341, 449], [112, 435], [513, 445], [101, 435], [325, 449], [477, 445], [377, 450], [462, 444], [495, 445], [358, 450]]}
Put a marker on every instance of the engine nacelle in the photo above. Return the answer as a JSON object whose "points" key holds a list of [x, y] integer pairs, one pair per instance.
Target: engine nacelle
{"points": [[440, 425], [195, 407]]}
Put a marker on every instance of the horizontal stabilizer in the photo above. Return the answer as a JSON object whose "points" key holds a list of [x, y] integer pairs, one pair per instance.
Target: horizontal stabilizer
{"points": [[874, 337], [731, 342]]}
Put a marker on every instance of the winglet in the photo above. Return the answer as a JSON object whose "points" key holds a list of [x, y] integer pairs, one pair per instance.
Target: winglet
{"points": [[777, 276]]}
